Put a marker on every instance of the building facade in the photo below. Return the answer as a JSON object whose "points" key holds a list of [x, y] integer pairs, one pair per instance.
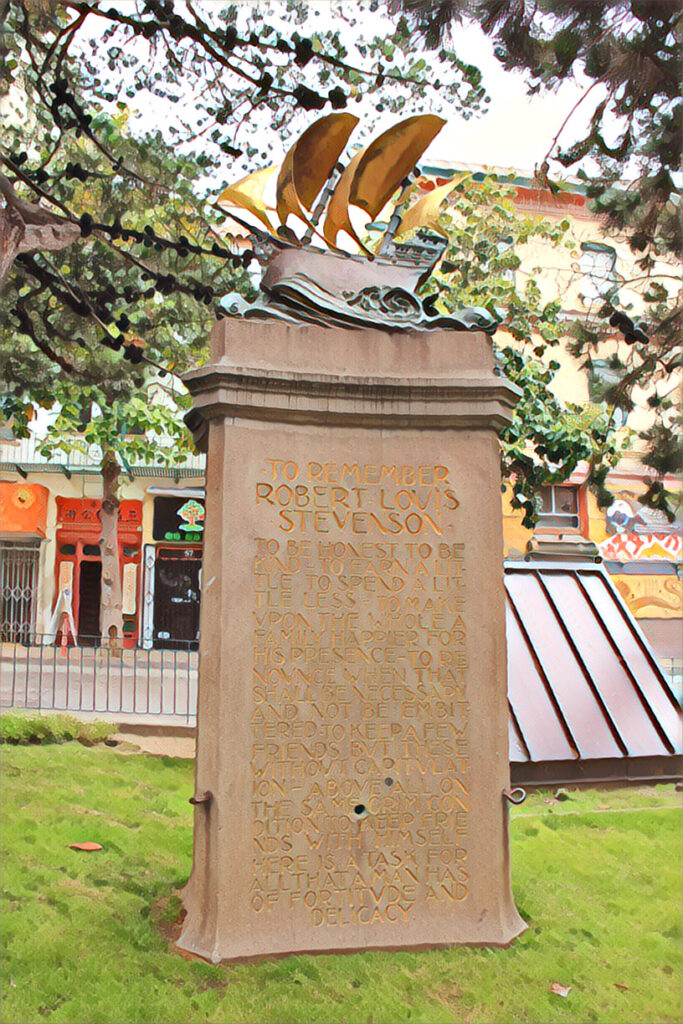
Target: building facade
{"points": [[50, 557], [50, 533]]}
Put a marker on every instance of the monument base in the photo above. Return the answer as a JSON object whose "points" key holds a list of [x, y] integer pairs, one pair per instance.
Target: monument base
{"points": [[217, 954], [352, 750]]}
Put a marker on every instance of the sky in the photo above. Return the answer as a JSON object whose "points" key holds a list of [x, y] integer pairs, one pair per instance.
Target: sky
{"points": [[516, 130]]}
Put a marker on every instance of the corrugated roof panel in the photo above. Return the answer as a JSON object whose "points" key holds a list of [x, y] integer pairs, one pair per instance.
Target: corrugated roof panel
{"points": [[517, 751], [591, 734], [538, 717], [588, 638], [642, 666], [580, 672]]}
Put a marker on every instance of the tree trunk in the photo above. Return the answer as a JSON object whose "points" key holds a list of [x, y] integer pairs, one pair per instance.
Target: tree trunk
{"points": [[111, 615], [26, 227], [12, 230]]}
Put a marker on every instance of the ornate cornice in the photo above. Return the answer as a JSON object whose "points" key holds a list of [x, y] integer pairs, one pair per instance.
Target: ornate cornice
{"points": [[483, 401]]}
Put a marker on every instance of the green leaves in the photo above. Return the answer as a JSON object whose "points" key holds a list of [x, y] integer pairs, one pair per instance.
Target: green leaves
{"points": [[626, 55], [547, 439]]}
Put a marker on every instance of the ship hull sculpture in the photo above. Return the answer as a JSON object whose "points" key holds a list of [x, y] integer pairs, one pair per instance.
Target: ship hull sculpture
{"points": [[352, 773], [328, 285]]}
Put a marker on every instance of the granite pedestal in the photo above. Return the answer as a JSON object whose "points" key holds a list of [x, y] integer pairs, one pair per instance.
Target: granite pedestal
{"points": [[352, 745]]}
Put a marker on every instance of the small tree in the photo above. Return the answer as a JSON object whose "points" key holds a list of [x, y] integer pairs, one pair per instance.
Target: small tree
{"points": [[143, 426], [481, 267]]}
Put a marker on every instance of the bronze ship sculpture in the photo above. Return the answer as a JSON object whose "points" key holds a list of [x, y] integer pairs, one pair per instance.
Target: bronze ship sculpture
{"points": [[323, 284]]}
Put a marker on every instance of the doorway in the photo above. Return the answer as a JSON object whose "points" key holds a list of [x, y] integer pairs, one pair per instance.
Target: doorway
{"points": [[18, 590], [89, 592], [176, 597]]}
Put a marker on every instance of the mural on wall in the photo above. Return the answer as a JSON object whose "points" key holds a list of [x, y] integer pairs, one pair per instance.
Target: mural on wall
{"points": [[178, 519], [656, 597], [23, 508], [637, 533]]}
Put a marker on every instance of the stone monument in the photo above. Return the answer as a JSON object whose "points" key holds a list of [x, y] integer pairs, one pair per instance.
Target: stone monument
{"points": [[352, 754]]}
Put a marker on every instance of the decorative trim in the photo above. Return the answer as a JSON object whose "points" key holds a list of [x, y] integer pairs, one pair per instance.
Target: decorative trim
{"points": [[148, 597], [486, 401], [178, 492], [298, 299]]}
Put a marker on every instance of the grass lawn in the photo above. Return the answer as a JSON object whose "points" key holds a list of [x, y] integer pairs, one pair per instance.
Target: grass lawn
{"points": [[85, 936]]}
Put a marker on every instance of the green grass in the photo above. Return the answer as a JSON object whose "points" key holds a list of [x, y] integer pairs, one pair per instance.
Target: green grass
{"points": [[31, 727], [85, 936]]}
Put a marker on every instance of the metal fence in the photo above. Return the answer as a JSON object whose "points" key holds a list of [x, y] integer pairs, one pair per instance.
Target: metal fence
{"points": [[41, 674]]}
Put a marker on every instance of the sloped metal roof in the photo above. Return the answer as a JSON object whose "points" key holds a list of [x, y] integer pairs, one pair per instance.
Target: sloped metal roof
{"points": [[587, 698], [23, 456]]}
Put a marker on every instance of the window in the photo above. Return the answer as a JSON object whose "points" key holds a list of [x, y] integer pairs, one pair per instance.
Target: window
{"points": [[598, 263], [424, 247], [601, 377], [558, 507]]}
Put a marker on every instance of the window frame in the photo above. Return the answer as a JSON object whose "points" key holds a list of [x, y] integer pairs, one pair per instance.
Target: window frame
{"points": [[547, 522], [593, 285]]}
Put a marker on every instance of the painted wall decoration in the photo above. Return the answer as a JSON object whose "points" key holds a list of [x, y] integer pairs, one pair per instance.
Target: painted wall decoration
{"points": [[79, 529], [23, 508], [637, 533], [178, 519], [86, 512], [193, 515], [652, 597], [129, 589], [66, 577]]}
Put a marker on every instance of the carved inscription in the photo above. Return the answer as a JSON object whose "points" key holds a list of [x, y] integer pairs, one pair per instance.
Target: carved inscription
{"points": [[360, 709]]}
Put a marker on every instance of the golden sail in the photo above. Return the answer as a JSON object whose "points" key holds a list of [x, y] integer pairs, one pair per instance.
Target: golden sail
{"points": [[338, 208], [368, 181], [247, 194], [309, 163], [373, 175], [425, 212]]}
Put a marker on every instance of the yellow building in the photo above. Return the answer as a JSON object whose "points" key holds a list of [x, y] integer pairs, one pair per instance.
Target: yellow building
{"points": [[639, 546]]}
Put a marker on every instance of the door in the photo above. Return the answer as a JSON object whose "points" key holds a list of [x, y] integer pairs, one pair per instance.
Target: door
{"points": [[89, 590], [18, 590], [176, 597]]}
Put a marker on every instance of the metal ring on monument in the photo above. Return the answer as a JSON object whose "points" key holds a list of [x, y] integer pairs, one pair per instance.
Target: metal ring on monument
{"points": [[515, 796], [205, 798]]}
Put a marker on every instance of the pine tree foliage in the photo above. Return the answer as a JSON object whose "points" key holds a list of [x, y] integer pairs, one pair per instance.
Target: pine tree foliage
{"points": [[627, 54]]}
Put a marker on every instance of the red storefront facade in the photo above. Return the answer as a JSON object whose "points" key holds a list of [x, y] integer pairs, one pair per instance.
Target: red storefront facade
{"points": [[78, 564]]}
